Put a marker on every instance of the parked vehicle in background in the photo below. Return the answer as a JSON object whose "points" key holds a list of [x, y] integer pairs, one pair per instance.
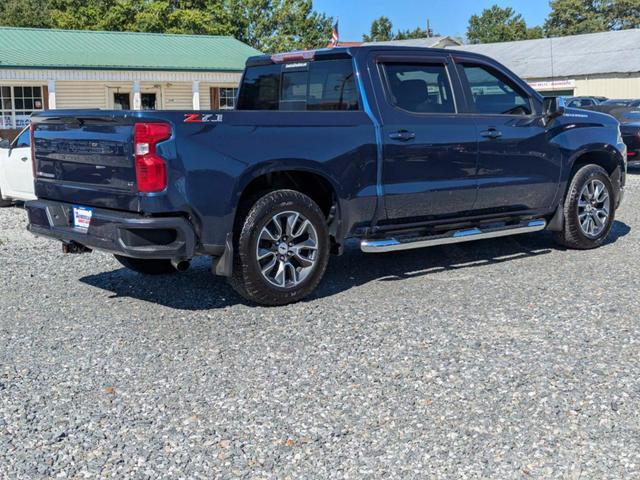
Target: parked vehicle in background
{"points": [[581, 102], [627, 112], [398, 147], [622, 103], [16, 170], [631, 136]]}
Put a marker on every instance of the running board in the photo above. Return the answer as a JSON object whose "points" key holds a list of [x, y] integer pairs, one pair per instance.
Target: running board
{"points": [[459, 236]]}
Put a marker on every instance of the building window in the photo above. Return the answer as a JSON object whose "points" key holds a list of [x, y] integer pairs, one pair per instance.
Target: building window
{"points": [[121, 101], [228, 98], [17, 104]]}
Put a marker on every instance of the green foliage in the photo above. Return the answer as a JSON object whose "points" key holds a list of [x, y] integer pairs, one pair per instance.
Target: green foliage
{"points": [[573, 17], [25, 13], [279, 25], [498, 24], [268, 25], [382, 31]]}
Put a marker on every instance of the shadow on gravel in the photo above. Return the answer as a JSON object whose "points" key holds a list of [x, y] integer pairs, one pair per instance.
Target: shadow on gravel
{"points": [[198, 289]]}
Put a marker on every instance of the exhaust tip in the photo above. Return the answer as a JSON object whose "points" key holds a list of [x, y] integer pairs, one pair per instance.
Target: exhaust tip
{"points": [[181, 265]]}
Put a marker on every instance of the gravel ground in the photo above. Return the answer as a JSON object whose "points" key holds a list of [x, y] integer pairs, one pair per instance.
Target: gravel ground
{"points": [[499, 359]]}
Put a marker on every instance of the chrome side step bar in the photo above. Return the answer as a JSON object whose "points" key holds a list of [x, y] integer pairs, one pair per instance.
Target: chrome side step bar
{"points": [[459, 236]]}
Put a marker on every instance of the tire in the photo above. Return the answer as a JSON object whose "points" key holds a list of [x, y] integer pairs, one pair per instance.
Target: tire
{"points": [[574, 235], [147, 266], [4, 203], [297, 270]]}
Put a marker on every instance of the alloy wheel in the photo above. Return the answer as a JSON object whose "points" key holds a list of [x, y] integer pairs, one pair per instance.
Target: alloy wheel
{"points": [[287, 249], [594, 206]]}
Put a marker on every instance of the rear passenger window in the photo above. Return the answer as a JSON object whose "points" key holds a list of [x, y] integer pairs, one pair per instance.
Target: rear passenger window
{"points": [[260, 88], [492, 93], [420, 88], [332, 86], [321, 85]]}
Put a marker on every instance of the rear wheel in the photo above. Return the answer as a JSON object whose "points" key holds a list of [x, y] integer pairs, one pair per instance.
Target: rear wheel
{"points": [[147, 266], [282, 249], [589, 209]]}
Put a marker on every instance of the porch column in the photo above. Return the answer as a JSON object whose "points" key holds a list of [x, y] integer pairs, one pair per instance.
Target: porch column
{"points": [[51, 87], [195, 94], [137, 99]]}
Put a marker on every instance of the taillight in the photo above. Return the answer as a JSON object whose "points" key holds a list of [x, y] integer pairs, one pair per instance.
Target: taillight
{"points": [[151, 169], [33, 150]]}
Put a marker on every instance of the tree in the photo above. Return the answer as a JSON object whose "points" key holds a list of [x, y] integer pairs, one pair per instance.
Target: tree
{"points": [[622, 14], [25, 13], [268, 25], [573, 17], [498, 24], [416, 33], [535, 32], [381, 31]]}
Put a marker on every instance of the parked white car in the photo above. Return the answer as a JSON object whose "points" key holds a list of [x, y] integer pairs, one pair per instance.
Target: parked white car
{"points": [[16, 170]]}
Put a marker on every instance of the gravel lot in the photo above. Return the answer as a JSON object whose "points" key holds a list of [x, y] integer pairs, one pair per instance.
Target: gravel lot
{"points": [[499, 359]]}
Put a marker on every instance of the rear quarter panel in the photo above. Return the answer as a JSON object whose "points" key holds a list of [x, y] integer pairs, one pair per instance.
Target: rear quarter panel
{"points": [[211, 163]]}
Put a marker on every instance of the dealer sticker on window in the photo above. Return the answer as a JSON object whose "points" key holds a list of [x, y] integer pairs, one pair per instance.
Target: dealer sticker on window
{"points": [[82, 218]]}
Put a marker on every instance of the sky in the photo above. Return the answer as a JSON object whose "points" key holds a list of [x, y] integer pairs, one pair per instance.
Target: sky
{"points": [[448, 17]]}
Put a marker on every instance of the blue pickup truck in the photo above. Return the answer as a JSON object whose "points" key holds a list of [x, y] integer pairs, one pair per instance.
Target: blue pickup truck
{"points": [[397, 147]]}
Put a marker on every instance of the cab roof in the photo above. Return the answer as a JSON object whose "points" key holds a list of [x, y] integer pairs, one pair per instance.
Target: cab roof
{"points": [[348, 52]]}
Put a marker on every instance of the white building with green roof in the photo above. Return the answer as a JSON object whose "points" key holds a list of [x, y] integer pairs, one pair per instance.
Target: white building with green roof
{"points": [[59, 69]]}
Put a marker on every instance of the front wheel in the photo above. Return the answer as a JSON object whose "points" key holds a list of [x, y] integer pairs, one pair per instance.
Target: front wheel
{"points": [[589, 209], [147, 266], [282, 249]]}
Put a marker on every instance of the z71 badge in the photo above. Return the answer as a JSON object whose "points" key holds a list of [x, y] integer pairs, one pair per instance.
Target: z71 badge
{"points": [[202, 117]]}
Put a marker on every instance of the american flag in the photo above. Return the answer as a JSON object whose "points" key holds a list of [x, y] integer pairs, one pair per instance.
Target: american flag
{"points": [[335, 35]]}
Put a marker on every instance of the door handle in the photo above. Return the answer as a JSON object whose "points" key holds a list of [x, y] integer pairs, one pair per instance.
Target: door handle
{"points": [[25, 159], [402, 135], [491, 133]]}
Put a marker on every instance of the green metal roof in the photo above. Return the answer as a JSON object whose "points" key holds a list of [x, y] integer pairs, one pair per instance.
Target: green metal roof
{"points": [[44, 48]]}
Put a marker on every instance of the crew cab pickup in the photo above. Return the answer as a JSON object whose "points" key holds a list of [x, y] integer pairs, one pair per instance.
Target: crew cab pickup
{"points": [[397, 147]]}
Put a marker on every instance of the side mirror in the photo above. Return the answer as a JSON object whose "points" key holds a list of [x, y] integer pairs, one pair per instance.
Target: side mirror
{"points": [[4, 143], [553, 107]]}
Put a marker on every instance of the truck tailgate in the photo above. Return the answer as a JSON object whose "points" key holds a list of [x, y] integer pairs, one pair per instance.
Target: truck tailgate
{"points": [[86, 160]]}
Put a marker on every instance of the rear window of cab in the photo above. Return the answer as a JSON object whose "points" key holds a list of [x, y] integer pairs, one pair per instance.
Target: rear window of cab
{"points": [[327, 85]]}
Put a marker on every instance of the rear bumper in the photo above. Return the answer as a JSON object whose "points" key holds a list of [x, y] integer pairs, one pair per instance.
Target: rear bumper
{"points": [[121, 233]]}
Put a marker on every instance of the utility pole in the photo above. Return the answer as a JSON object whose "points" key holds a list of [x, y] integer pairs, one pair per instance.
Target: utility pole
{"points": [[429, 31]]}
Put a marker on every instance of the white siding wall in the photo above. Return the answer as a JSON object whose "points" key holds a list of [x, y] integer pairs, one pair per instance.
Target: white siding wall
{"points": [[80, 95], [614, 86], [173, 95], [178, 96], [205, 96]]}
